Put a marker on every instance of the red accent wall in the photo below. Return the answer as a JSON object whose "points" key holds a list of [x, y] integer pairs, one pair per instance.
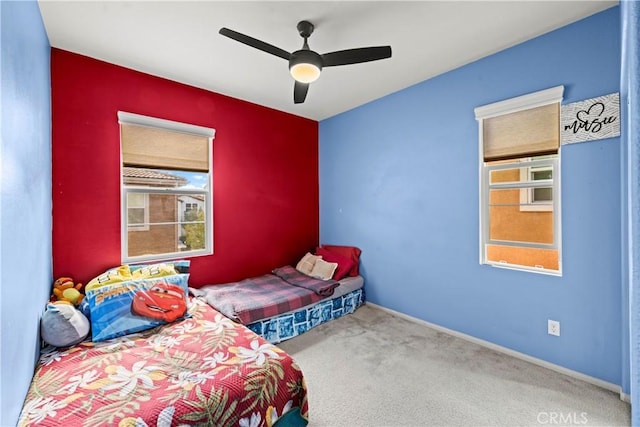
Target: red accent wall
{"points": [[265, 171]]}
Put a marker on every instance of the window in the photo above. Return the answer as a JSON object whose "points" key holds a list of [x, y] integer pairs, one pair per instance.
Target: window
{"points": [[166, 189], [137, 212], [520, 225], [537, 199]]}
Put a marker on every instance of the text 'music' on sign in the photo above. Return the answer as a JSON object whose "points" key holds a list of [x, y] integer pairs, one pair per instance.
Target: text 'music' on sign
{"points": [[591, 119]]}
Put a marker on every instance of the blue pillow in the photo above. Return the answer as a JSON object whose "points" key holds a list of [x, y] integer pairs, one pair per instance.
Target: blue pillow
{"points": [[122, 308]]}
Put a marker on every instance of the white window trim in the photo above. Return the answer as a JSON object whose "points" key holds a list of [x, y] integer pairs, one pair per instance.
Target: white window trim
{"points": [[513, 105], [140, 120], [519, 103]]}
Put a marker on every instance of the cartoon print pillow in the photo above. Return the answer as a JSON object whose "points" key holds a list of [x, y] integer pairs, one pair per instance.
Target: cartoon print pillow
{"points": [[148, 271], [126, 272], [163, 301], [122, 308], [114, 275]]}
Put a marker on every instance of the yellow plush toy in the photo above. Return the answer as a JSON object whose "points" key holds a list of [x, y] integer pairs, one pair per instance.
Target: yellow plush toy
{"points": [[65, 290]]}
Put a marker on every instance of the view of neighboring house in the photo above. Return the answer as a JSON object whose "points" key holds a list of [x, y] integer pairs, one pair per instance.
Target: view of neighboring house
{"points": [[188, 205], [158, 223], [523, 215]]}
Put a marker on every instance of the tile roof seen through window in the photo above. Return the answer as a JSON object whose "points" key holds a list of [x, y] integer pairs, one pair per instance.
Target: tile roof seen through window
{"points": [[148, 173], [150, 176]]}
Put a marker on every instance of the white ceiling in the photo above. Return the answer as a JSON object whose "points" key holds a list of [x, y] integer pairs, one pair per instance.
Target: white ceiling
{"points": [[179, 40]]}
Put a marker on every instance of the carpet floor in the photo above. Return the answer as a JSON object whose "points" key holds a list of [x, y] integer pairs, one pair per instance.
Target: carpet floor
{"points": [[372, 368]]}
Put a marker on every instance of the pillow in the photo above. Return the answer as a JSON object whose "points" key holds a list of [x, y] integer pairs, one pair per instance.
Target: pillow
{"points": [[323, 269], [345, 264], [180, 266], [62, 325], [347, 251], [114, 275], [305, 265], [153, 270], [140, 271], [122, 308]]}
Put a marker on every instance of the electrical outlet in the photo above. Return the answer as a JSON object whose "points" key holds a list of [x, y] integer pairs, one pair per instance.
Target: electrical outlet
{"points": [[553, 327]]}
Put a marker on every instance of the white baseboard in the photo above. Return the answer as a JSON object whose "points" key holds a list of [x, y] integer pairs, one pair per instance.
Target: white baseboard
{"points": [[574, 374]]}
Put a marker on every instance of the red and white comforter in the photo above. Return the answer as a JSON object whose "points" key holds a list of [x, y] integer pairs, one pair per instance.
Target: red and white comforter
{"points": [[204, 370]]}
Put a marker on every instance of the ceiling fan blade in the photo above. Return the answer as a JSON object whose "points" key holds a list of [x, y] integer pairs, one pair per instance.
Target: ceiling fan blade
{"points": [[355, 56], [300, 92], [258, 44]]}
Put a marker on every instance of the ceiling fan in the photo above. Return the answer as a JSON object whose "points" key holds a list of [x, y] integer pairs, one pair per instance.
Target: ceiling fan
{"points": [[305, 64]]}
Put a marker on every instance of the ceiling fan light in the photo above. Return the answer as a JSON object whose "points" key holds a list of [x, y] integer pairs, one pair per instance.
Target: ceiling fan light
{"points": [[305, 65], [305, 72]]}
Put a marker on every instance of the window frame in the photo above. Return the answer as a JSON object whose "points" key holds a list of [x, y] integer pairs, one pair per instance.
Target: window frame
{"points": [[522, 163], [513, 105], [207, 192], [528, 203]]}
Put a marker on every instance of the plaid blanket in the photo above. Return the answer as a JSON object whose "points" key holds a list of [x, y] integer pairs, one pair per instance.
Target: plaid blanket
{"points": [[261, 297], [295, 278]]}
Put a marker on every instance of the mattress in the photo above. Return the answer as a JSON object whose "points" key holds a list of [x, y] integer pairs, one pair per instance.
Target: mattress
{"points": [[347, 286], [346, 299]]}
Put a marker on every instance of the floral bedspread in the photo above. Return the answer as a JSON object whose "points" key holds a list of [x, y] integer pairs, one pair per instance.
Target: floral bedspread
{"points": [[204, 370]]}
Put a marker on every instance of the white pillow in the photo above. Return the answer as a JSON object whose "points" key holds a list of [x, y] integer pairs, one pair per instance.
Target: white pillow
{"points": [[306, 264], [323, 270]]}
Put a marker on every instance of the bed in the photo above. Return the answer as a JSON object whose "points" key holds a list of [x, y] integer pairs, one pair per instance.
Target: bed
{"points": [[158, 357], [202, 370], [285, 303]]}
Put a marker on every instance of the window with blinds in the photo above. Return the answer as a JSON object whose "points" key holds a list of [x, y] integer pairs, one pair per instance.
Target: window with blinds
{"points": [[166, 188], [520, 225], [531, 132]]}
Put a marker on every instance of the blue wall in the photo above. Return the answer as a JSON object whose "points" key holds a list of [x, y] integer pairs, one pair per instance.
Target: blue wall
{"points": [[399, 179], [25, 198]]}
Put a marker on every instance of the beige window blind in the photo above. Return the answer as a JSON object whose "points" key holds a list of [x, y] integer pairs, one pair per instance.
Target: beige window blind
{"points": [[144, 146], [531, 132]]}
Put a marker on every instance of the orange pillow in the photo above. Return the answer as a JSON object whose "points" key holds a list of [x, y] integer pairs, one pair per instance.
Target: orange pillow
{"points": [[346, 251]]}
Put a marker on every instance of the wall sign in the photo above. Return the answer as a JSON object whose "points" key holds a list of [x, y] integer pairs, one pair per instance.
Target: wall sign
{"points": [[595, 118]]}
